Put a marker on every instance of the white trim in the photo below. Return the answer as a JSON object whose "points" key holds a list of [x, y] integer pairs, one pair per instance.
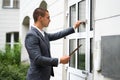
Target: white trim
{"points": [[77, 72], [11, 3], [72, 2], [12, 40], [81, 35]]}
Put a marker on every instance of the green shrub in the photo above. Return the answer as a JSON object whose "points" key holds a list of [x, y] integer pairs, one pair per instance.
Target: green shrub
{"points": [[13, 72], [13, 55], [10, 64]]}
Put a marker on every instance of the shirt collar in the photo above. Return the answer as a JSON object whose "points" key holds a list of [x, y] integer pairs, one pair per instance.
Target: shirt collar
{"points": [[41, 31]]}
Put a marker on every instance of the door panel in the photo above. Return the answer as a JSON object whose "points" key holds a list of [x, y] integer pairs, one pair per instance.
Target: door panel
{"points": [[80, 65], [75, 74]]}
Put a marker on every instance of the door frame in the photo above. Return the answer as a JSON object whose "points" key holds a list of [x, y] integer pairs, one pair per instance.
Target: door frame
{"points": [[88, 34]]}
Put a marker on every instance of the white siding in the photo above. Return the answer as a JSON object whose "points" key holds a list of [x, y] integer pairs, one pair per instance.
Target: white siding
{"points": [[9, 22], [107, 8], [107, 22]]}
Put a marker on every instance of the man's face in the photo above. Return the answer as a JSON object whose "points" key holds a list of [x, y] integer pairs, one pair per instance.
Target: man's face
{"points": [[45, 20]]}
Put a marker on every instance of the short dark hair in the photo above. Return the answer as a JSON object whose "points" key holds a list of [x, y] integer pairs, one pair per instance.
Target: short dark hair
{"points": [[39, 12]]}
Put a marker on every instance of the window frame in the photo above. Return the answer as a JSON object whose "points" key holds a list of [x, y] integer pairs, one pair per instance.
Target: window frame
{"points": [[87, 35], [12, 39], [11, 5]]}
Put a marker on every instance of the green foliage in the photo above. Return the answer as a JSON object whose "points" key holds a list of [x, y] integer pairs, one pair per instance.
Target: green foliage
{"points": [[13, 72], [13, 55], [10, 64]]}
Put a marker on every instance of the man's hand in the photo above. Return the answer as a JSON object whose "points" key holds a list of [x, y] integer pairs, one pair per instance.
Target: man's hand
{"points": [[77, 24], [64, 59]]}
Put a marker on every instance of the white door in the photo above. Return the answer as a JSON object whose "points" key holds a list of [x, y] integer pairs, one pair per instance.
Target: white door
{"points": [[80, 66]]}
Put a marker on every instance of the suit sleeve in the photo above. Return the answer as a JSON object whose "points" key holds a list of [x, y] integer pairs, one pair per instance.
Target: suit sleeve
{"points": [[34, 51], [61, 34]]}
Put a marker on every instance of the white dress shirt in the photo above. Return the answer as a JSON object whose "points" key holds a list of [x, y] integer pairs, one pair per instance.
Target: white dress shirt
{"points": [[41, 31]]}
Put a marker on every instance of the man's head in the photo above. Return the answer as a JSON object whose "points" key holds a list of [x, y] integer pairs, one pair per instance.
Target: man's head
{"points": [[41, 16]]}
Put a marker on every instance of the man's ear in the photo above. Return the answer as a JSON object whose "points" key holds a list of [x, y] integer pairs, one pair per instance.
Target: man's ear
{"points": [[40, 17]]}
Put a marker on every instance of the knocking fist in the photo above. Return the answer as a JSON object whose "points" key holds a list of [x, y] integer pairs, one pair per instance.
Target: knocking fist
{"points": [[64, 59], [77, 24]]}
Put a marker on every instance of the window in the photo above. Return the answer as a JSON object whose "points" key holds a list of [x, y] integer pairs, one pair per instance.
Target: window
{"points": [[10, 3], [72, 15], [72, 42], [82, 60], [12, 39], [81, 55], [81, 63], [8, 37], [72, 46], [81, 14], [16, 37]]}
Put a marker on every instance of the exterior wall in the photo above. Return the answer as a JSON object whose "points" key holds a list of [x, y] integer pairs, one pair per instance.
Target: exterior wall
{"points": [[9, 21], [107, 22], [106, 17], [57, 14]]}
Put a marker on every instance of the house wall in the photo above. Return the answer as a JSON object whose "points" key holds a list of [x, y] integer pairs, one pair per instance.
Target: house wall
{"points": [[58, 22], [9, 22], [107, 22]]}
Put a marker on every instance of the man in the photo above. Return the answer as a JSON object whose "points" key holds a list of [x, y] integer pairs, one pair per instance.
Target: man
{"points": [[38, 46]]}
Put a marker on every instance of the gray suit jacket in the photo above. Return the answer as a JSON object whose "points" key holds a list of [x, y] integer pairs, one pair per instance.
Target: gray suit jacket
{"points": [[38, 47]]}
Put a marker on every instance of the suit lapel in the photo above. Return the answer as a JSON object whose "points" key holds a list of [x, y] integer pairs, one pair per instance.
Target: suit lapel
{"points": [[44, 38]]}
